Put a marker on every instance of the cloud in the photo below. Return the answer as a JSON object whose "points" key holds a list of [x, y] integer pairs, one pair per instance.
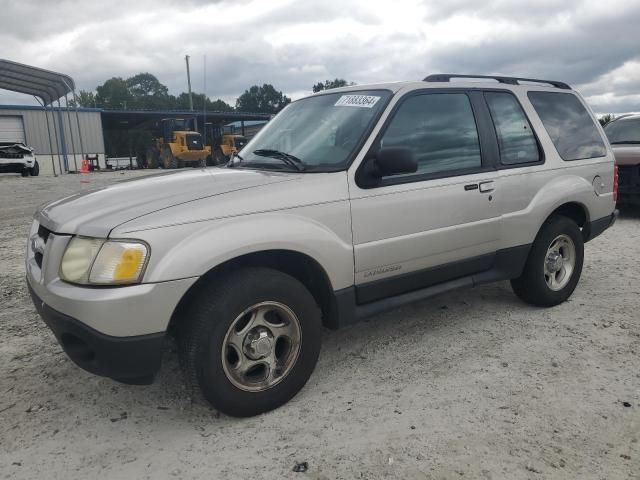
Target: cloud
{"points": [[294, 44]]}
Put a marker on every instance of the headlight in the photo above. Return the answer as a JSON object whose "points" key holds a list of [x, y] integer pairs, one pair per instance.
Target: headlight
{"points": [[78, 258], [103, 262]]}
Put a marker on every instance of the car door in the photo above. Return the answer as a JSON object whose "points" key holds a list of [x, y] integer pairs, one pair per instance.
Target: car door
{"points": [[442, 222]]}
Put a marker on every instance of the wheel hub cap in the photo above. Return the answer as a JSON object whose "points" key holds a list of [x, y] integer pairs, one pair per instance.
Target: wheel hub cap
{"points": [[554, 262], [261, 346], [258, 343], [559, 262]]}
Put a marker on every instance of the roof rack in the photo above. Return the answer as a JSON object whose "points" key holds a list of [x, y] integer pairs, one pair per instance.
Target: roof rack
{"points": [[445, 77]]}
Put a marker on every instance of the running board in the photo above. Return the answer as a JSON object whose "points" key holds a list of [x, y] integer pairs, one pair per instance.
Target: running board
{"points": [[391, 303], [508, 264]]}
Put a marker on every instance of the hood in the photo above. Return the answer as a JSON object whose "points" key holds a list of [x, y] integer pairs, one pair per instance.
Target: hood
{"points": [[627, 155], [97, 212]]}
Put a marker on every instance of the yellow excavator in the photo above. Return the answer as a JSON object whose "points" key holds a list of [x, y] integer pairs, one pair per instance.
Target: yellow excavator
{"points": [[177, 146], [222, 145]]}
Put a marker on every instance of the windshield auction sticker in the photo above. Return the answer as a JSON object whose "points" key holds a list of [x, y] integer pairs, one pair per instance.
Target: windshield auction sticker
{"points": [[363, 101]]}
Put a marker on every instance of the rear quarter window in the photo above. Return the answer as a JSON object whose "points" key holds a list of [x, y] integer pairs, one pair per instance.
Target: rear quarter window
{"points": [[569, 125], [625, 130]]}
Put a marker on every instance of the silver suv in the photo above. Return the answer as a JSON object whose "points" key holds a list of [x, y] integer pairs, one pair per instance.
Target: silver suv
{"points": [[348, 203]]}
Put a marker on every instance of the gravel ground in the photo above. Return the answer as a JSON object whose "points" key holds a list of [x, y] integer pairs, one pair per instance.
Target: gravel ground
{"points": [[472, 384]]}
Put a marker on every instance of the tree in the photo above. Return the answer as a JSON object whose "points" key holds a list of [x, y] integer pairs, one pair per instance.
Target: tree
{"points": [[146, 91], [182, 103], [329, 84], [114, 94], [218, 106], [85, 99], [606, 119], [264, 99]]}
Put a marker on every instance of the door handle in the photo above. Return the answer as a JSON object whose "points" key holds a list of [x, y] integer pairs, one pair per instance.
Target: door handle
{"points": [[486, 187], [471, 186]]}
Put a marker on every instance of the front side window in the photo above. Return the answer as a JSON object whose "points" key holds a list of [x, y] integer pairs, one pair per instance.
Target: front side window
{"points": [[625, 130], [569, 125], [515, 138], [317, 133], [441, 130]]}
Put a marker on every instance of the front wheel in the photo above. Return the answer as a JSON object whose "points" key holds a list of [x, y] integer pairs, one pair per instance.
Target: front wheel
{"points": [[251, 342], [169, 160], [554, 264], [219, 158], [35, 170]]}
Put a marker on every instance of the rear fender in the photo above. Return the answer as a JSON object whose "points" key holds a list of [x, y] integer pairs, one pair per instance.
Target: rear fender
{"points": [[521, 227]]}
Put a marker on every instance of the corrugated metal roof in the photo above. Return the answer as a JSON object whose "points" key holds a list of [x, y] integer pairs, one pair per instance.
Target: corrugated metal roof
{"points": [[53, 109], [44, 84]]}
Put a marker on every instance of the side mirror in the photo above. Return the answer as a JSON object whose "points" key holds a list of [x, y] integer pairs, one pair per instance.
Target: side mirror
{"points": [[395, 161], [386, 161]]}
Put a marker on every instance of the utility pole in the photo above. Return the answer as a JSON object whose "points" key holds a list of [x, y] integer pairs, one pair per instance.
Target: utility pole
{"points": [[204, 106], [195, 121]]}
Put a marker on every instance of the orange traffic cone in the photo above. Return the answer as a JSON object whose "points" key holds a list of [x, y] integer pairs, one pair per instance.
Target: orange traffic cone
{"points": [[84, 166]]}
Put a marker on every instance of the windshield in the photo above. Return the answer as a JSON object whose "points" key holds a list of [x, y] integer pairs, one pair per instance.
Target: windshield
{"points": [[318, 133], [626, 130]]}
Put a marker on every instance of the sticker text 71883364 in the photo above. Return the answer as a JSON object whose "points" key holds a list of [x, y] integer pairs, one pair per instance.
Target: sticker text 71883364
{"points": [[362, 101]]}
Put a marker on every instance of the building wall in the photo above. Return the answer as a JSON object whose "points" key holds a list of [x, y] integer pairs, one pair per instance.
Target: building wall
{"points": [[66, 129]]}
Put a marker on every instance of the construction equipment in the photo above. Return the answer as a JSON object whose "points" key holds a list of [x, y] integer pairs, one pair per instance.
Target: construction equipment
{"points": [[222, 145], [178, 145]]}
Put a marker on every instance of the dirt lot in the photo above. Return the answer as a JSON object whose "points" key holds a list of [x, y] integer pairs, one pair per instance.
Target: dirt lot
{"points": [[473, 384]]}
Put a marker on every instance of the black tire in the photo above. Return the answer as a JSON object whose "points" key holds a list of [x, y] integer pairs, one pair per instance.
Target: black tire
{"points": [[219, 158], [531, 286], [35, 170], [152, 158], [208, 318], [169, 160], [24, 172], [202, 163]]}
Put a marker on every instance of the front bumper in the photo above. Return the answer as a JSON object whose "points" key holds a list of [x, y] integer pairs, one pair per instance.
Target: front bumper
{"points": [[133, 360], [116, 332]]}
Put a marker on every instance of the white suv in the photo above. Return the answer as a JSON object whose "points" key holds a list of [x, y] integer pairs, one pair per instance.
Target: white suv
{"points": [[18, 158], [349, 202]]}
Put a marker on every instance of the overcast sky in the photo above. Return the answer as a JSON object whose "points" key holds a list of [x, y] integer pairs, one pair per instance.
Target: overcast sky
{"points": [[593, 45]]}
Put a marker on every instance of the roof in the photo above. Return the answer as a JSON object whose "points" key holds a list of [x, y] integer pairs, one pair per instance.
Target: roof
{"points": [[132, 118], [247, 123], [460, 81], [55, 109], [626, 116], [44, 84]]}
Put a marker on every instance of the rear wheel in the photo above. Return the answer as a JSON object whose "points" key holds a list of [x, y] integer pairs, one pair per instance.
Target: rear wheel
{"points": [[554, 264], [24, 172], [251, 342]]}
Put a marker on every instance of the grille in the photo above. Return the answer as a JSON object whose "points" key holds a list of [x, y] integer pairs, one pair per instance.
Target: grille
{"points": [[194, 141], [39, 243]]}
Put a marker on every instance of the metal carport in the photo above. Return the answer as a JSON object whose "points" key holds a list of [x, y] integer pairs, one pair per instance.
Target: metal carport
{"points": [[46, 87]]}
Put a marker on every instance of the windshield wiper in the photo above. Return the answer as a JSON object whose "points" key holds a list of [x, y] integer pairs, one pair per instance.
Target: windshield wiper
{"points": [[632, 142], [287, 158]]}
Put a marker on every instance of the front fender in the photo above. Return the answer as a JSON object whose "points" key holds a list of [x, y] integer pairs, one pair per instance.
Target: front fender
{"points": [[183, 251]]}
